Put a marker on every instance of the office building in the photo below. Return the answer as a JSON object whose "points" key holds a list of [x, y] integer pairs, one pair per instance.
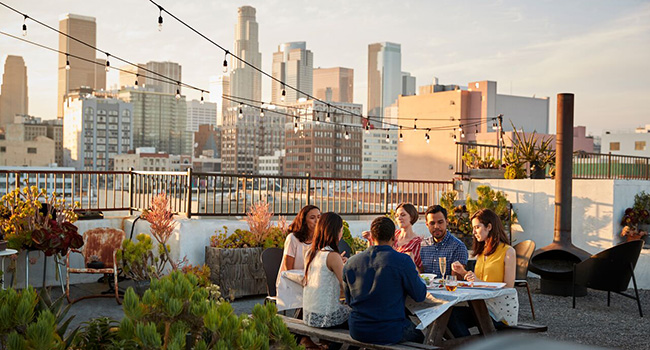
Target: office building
{"points": [[293, 65], [162, 71], [384, 76], [245, 82], [272, 165], [200, 114], [408, 84], [81, 73], [324, 149], [159, 120], [207, 141], [130, 74], [97, 127], [334, 84], [219, 87], [55, 132], [629, 142], [379, 154], [13, 93], [25, 143]]}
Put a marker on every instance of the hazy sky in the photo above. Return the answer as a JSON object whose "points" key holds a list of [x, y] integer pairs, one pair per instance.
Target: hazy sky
{"points": [[599, 50]]}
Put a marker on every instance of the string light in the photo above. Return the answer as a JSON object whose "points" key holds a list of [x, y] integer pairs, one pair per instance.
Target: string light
{"points": [[317, 118], [401, 137], [476, 131], [462, 134], [347, 135], [202, 100], [67, 62], [241, 111], [136, 80], [178, 91], [460, 128], [283, 94], [328, 119], [261, 112], [415, 127], [367, 128], [160, 19], [426, 136], [108, 63], [494, 126], [295, 127], [387, 138], [225, 62], [25, 25]]}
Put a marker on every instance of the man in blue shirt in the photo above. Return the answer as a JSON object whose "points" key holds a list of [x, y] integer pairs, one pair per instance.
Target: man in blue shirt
{"points": [[377, 282], [441, 243]]}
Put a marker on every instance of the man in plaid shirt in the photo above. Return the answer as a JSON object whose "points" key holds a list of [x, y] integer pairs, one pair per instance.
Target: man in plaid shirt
{"points": [[441, 243]]}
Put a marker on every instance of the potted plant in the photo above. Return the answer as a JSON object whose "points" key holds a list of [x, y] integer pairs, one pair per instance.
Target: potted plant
{"points": [[234, 260], [140, 261], [636, 219], [537, 152], [486, 167], [33, 220], [514, 166]]}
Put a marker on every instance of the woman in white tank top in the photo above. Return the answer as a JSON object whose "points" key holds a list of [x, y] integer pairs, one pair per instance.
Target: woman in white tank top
{"points": [[324, 276]]}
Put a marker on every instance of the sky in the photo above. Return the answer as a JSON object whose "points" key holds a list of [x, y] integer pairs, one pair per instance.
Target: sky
{"points": [[598, 50]]}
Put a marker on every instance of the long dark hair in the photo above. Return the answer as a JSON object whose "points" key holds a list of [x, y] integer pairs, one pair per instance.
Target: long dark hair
{"points": [[496, 235], [326, 234], [299, 225]]}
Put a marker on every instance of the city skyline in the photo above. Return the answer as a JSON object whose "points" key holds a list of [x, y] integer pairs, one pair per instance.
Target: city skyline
{"points": [[596, 50]]}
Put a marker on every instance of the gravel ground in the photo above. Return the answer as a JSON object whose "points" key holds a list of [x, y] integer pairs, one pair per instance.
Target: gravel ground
{"points": [[591, 322]]}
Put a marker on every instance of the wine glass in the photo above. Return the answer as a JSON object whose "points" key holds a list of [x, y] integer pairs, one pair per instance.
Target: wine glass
{"points": [[442, 263]]}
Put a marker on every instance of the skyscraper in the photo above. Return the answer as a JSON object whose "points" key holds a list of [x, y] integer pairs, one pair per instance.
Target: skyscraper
{"points": [[293, 65], [168, 69], [245, 82], [334, 84], [13, 97], [81, 73], [384, 76], [408, 84]]}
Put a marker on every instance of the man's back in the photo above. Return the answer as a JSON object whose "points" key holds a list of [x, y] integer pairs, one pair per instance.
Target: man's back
{"points": [[377, 282]]}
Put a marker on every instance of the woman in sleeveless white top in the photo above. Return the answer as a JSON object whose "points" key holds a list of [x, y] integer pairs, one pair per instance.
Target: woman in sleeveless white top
{"points": [[299, 240], [321, 306], [324, 276]]}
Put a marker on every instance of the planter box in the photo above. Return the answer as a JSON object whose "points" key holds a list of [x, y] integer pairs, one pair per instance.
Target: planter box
{"points": [[237, 271], [487, 173]]}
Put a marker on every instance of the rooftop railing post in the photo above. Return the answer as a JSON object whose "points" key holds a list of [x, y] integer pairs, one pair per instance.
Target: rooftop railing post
{"points": [[386, 185], [188, 208], [131, 193], [308, 188], [609, 165]]}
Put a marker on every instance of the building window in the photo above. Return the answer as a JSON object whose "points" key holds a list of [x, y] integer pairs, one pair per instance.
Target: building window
{"points": [[3, 149], [31, 150], [614, 146], [639, 145]]}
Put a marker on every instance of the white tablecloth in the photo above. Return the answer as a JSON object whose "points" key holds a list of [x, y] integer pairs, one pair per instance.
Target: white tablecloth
{"points": [[503, 304], [289, 293]]}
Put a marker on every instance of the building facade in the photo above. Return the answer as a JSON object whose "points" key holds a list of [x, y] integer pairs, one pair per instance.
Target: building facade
{"points": [[293, 65], [408, 84], [633, 143], [97, 127], [81, 73], [143, 159], [159, 120], [272, 165], [384, 76], [245, 82], [319, 148], [170, 70], [334, 84], [13, 94], [207, 141], [55, 132], [379, 154], [200, 113]]}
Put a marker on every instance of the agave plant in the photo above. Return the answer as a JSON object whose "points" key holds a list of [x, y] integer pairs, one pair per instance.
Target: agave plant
{"points": [[535, 150]]}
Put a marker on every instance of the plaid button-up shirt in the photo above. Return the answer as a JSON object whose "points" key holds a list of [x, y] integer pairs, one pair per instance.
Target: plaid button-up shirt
{"points": [[450, 247]]}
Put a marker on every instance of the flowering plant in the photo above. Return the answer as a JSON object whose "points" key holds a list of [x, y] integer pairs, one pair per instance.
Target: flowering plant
{"points": [[261, 232], [633, 217], [33, 220]]}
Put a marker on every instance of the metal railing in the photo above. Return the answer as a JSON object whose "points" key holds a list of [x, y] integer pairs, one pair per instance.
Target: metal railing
{"points": [[216, 194], [585, 165]]}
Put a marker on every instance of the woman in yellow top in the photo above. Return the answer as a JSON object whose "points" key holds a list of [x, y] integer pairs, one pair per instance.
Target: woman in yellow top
{"points": [[496, 261]]}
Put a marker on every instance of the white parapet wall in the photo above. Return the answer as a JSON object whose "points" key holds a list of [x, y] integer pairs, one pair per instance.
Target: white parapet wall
{"points": [[597, 210]]}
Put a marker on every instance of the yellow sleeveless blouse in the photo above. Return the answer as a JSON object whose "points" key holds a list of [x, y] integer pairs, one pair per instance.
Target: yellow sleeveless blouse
{"points": [[491, 268]]}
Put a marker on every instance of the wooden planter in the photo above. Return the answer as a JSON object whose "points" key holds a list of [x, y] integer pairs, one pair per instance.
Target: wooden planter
{"points": [[487, 173], [237, 271]]}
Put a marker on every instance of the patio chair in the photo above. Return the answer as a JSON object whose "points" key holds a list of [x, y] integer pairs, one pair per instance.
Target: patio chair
{"points": [[271, 260], [610, 270], [98, 251], [524, 251]]}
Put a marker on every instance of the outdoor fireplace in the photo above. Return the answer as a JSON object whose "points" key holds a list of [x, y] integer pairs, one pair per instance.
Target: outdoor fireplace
{"points": [[554, 262]]}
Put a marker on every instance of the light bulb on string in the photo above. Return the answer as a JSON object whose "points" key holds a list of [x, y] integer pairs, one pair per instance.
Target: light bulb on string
{"points": [[426, 136], [347, 135], [328, 119], [462, 134], [108, 63], [317, 118], [367, 128], [415, 127], [387, 137], [454, 136], [225, 62], [25, 26], [136, 80], [460, 128], [283, 94], [295, 127], [67, 62], [494, 126], [241, 111], [261, 112], [178, 91], [160, 19], [476, 131], [401, 137], [202, 100]]}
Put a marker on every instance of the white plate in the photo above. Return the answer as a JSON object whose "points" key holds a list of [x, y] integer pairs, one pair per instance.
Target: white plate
{"points": [[481, 285]]}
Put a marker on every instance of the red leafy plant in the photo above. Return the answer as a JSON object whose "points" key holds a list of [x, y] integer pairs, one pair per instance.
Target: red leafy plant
{"points": [[161, 220], [37, 221]]}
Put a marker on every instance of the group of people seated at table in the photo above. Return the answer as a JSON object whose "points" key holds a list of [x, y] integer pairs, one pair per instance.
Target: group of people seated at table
{"points": [[376, 282]]}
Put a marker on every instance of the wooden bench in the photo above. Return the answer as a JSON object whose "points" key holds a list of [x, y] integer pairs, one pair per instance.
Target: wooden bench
{"points": [[342, 336], [525, 327]]}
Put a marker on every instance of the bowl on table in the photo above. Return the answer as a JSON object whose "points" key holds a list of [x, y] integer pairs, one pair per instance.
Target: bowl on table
{"points": [[428, 278]]}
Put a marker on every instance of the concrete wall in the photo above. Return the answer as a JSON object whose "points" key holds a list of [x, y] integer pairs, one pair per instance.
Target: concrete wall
{"points": [[598, 206]]}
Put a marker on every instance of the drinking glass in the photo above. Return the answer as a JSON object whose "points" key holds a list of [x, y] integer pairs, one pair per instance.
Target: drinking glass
{"points": [[451, 283], [442, 263]]}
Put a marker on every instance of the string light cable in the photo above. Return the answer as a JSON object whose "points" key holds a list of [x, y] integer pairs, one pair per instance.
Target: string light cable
{"points": [[92, 61], [107, 66]]}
